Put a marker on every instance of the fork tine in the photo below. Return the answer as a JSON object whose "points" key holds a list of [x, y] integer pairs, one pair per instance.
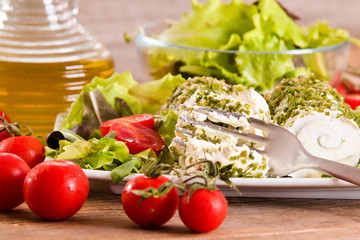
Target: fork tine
{"points": [[256, 123], [209, 110], [262, 125], [262, 152], [184, 144], [179, 141], [233, 132], [185, 131], [192, 133]]}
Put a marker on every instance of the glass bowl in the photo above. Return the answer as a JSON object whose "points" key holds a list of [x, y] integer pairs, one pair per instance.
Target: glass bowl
{"points": [[258, 69]]}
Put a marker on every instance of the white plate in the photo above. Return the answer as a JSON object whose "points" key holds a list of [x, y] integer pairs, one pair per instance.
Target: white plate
{"points": [[264, 187]]}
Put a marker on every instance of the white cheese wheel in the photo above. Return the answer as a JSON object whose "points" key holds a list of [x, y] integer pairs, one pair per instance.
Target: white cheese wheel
{"points": [[327, 136]]}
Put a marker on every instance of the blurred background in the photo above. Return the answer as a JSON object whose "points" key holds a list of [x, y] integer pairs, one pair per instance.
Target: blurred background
{"points": [[107, 20]]}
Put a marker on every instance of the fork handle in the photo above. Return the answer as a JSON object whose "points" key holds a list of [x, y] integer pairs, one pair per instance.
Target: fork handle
{"points": [[338, 170]]}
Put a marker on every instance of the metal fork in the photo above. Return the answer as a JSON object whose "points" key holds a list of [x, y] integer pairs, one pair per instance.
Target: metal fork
{"points": [[286, 153]]}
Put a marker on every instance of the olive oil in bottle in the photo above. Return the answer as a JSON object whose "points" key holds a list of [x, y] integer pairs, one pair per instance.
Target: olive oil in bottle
{"points": [[32, 94], [46, 57]]}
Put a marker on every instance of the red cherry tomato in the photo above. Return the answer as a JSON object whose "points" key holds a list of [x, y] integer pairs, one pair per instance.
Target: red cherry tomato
{"points": [[137, 137], [28, 148], [145, 119], [204, 211], [152, 211], [13, 170], [56, 189], [4, 134], [353, 99]]}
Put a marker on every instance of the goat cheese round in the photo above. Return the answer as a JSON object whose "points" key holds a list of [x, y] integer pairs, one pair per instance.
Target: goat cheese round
{"points": [[216, 146], [314, 112]]}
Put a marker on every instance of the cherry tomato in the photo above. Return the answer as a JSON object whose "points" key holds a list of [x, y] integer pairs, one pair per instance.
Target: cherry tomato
{"points": [[204, 211], [4, 134], [145, 119], [137, 137], [13, 170], [28, 148], [152, 211], [353, 99], [56, 189]]}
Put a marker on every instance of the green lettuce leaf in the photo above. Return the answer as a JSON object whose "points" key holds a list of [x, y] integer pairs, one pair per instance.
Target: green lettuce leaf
{"points": [[275, 21], [131, 166], [211, 24], [321, 35], [261, 70], [154, 94], [105, 153], [115, 86], [166, 129], [78, 149], [140, 98]]}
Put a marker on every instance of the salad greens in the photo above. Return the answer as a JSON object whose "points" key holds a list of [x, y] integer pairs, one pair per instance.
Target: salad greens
{"points": [[106, 153], [261, 26], [94, 154], [102, 154], [140, 98]]}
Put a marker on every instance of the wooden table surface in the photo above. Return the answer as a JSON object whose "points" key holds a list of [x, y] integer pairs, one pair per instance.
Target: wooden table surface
{"points": [[102, 216]]}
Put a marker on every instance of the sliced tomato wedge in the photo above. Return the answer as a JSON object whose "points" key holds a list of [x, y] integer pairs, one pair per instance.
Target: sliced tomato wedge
{"points": [[144, 119], [353, 99], [342, 89], [138, 137], [349, 85]]}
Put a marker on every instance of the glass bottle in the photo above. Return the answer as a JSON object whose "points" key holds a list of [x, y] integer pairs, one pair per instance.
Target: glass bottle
{"points": [[46, 57]]}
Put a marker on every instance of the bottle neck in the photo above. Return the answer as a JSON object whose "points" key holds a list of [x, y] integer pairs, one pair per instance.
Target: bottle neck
{"points": [[44, 31], [36, 15]]}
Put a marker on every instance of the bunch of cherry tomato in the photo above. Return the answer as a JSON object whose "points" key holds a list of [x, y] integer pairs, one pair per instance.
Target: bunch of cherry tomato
{"points": [[53, 190], [201, 209]]}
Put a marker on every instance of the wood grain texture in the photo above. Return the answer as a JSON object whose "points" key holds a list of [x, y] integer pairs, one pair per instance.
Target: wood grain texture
{"points": [[102, 216]]}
